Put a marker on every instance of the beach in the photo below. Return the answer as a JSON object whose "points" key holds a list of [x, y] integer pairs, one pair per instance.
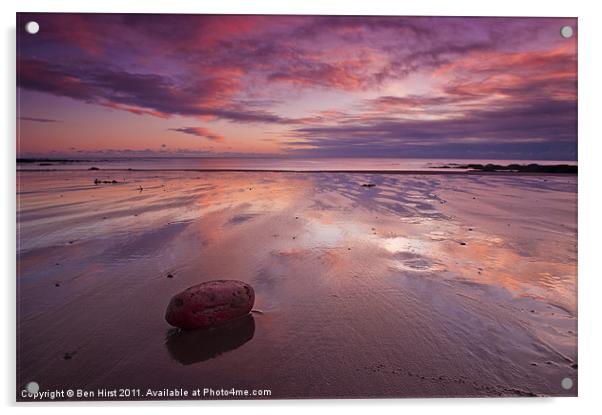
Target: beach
{"points": [[367, 284]]}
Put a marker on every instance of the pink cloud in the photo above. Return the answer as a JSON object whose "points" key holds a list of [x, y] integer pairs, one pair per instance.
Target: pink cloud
{"points": [[198, 132]]}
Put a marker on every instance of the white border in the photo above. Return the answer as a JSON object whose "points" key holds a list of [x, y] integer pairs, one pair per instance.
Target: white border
{"points": [[590, 68]]}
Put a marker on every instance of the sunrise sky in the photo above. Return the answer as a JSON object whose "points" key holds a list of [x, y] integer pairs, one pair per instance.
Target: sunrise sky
{"points": [[296, 86]]}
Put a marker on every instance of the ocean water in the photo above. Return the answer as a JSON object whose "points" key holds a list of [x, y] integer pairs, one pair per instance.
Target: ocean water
{"points": [[272, 164]]}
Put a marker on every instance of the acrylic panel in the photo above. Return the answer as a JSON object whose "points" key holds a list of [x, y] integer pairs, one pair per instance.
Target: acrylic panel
{"points": [[277, 207]]}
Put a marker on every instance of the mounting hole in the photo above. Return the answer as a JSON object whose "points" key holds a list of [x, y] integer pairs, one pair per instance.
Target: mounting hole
{"points": [[567, 383], [32, 27], [32, 387], [566, 32]]}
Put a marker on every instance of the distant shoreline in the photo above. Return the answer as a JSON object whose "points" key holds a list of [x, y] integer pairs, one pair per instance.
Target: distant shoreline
{"points": [[513, 168], [464, 167], [407, 172]]}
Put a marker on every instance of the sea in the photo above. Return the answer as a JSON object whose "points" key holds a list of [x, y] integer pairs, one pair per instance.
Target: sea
{"points": [[265, 164]]}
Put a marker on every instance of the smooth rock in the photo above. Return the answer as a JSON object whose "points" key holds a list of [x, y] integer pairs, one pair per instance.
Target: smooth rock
{"points": [[210, 304]]}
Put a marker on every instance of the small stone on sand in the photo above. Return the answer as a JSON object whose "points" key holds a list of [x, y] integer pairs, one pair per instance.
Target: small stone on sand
{"points": [[210, 304]]}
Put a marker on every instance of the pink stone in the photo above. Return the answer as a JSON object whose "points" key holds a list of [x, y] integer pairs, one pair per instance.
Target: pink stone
{"points": [[210, 304]]}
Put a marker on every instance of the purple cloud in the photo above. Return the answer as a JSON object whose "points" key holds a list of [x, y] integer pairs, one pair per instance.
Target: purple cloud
{"points": [[198, 132], [42, 120], [507, 84]]}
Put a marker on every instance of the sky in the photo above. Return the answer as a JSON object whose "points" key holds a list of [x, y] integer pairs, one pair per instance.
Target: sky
{"points": [[296, 86]]}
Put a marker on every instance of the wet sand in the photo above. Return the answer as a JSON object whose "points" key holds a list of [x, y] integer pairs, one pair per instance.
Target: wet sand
{"points": [[420, 286]]}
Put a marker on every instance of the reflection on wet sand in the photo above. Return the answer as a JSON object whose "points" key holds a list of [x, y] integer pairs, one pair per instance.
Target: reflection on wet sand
{"points": [[193, 346], [419, 285]]}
